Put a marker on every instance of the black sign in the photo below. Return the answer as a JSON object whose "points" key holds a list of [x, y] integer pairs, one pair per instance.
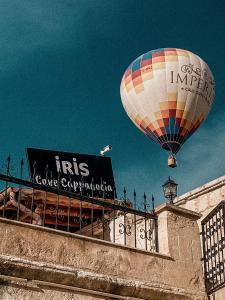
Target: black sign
{"points": [[84, 174]]}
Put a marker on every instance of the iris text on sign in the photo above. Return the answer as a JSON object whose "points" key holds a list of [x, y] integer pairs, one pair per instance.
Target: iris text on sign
{"points": [[74, 168]]}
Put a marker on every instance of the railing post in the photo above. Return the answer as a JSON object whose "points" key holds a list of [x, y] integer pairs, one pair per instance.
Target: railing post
{"points": [[19, 197], [32, 200], [69, 206], [203, 233], [135, 222], [156, 235]]}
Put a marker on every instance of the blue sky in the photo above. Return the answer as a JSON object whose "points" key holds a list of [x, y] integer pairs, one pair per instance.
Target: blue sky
{"points": [[61, 64]]}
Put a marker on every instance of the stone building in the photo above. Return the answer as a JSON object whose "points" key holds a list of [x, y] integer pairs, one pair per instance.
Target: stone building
{"points": [[39, 262], [205, 200]]}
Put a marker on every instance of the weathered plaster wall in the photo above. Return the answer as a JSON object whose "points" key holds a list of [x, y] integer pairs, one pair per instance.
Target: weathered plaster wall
{"points": [[17, 290], [53, 265]]}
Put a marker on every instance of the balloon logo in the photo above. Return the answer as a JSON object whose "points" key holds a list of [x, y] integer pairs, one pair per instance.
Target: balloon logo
{"points": [[168, 93]]}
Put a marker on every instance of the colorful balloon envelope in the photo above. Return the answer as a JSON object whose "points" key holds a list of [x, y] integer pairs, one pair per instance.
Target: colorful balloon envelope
{"points": [[168, 93]]}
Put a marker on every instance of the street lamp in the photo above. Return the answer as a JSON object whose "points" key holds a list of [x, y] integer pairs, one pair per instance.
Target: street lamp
{"points": [[170, 190]]}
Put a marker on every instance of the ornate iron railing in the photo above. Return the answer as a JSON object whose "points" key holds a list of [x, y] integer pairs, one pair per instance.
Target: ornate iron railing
{"points": [[213, 245], [115, 220]]}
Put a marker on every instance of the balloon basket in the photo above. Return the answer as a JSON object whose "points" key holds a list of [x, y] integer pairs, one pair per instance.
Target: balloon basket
{"points": [[172, 162]]}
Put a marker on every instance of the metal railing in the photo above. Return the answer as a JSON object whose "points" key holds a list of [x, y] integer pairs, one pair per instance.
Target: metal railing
{"points": [[213, 245], [118, 221]]}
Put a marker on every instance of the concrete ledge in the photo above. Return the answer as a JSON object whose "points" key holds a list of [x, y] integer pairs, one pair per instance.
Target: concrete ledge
{"points": [[178, 210], [87, 282]]}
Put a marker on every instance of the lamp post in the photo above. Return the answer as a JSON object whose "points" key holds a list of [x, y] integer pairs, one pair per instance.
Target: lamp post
{"points": [[170, 190]]}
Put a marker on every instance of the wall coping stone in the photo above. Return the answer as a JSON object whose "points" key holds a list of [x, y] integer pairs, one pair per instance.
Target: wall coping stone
{"points": [[205, 188], [178, 210]]}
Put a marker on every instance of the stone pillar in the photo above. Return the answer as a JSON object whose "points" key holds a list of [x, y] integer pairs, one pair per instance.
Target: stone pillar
{"points": [[179, 237], [178, 232]]}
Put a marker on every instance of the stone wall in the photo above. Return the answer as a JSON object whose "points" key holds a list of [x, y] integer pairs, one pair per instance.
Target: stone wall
{"points": [[204, 198], [41, 263]]}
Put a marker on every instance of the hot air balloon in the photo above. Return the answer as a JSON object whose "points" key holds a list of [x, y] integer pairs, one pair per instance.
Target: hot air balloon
{"points": [[168, 93]]}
